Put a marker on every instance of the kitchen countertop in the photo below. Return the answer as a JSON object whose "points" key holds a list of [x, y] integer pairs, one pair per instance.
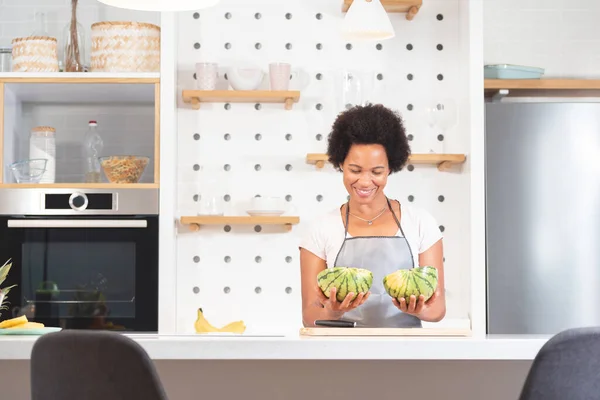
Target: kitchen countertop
{"points": [[296, 347]]}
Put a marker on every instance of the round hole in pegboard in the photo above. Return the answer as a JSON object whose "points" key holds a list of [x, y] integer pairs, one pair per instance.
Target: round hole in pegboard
{"points": [[257, 167], [258, 46], [196, 289], [196, 45], [227, 197], [228, 15], [227, 259], [227, 106], [288, 136], [440, 17], [196, 15], [227, 228], [319, 137], [257, 16], [196, 259], [196, 167], [228, 46], [226, 290], [380, 76], [410, 137], [440, 137], [441, 198], [410, 167], [288, 259], [225, 76], [442, 228], [319, 16], [409, 47], [411, 198], [227, 136], [196, 198], [288, 290], [196, 136], [257, 290], [319, 197], [410, 77], [194, 76], [257, 228], [227, 167], [257, 106], [440, 77], [440, 47], [288, 197], [319, 46], [319, 76], [288, 167], [288, 15], [348, 46], [319, 106], [379, 46], [288, 46], [409, 107], [258, 259], [257, 137]]}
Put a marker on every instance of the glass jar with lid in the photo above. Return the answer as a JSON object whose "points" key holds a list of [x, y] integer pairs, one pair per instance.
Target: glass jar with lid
{"points": [[5, 59], [42, 144]]}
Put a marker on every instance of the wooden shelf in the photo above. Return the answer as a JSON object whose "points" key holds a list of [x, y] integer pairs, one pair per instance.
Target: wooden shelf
{"points": [[443, 161], [195, 222], [540, 86], [83, 77], [195, 97], [410, 7], [79, 186]]}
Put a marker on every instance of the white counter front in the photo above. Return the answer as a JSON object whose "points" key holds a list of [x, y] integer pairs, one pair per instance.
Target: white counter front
{"points": [[294, 347]]}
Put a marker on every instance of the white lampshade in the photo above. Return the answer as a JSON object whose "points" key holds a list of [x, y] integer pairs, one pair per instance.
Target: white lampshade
{"points": [[161, 5], [367, 20]]}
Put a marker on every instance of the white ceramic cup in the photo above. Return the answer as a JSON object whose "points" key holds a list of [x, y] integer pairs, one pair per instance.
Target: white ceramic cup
{"points": [[206, 76], [279, 76]]}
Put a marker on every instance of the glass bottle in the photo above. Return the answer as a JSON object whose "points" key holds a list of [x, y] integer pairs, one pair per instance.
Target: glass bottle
{"points": [[92, 149], [40, 25], [74, 44]]}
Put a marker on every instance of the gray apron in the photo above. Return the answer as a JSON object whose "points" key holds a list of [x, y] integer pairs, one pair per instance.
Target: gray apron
{"points": [[381, 255]]}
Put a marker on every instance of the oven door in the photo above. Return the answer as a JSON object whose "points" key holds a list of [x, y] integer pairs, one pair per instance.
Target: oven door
{"points": [[83, 272]]}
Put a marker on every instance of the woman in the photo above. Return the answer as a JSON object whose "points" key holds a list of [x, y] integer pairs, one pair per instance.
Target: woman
{"points": [[368, 143]]}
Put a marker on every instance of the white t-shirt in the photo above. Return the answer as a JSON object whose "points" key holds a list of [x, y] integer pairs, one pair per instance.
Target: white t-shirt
{"points": [[325, 235]]}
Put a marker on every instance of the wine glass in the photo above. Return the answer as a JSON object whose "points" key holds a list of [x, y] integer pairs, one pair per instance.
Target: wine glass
{"points": [[441, 117]]}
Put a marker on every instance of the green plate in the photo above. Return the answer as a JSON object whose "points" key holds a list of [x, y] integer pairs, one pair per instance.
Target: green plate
{"points": [[38, 331]]}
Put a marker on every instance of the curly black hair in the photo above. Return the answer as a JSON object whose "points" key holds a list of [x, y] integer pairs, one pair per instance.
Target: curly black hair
{"points": [[369, 124]]}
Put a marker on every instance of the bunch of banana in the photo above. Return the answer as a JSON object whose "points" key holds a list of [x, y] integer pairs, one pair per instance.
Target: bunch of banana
{"points": [[20, 323], [203, 326]]}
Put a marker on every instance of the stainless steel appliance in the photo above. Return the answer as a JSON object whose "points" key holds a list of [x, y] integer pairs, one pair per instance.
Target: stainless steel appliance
{"points": [[543, 216], [82, 259]]}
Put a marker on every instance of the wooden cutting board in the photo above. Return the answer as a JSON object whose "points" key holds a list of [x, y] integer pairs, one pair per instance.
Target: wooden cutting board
{"points": [[322, 331]]}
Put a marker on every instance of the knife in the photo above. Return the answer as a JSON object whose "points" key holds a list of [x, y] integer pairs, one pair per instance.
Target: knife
{"points": [[335, 323]]}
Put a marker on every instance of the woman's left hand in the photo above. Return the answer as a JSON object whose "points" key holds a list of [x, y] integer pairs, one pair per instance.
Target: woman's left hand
{"points": [[415, 306]]}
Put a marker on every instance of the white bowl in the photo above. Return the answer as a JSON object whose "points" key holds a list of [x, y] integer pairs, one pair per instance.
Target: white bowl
{"points": [[245, 78], [267, 204]]}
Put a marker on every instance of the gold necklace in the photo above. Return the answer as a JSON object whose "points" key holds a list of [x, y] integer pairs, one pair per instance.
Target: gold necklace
{"points": [[369, 221]]}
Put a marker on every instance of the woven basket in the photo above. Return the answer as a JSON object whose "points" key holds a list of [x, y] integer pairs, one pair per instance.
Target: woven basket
{"points": [[34, 54], [125, 47]]}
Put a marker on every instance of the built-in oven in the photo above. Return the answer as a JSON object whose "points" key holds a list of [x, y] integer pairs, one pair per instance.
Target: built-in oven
{"points": [[81, 259]]}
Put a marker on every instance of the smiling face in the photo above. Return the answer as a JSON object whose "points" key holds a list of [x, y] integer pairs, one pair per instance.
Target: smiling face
{"points": [[365, 172]]}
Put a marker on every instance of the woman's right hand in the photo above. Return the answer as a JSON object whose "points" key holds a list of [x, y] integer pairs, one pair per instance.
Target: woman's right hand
{"points": [[336, 308]]}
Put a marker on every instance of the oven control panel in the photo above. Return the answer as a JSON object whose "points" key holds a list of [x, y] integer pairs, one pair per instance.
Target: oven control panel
{"points": [[79, 201]]}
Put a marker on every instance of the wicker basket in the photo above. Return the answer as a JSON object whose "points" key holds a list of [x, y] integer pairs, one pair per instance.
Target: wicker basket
{"points": [[125, 47], [34, 54]]}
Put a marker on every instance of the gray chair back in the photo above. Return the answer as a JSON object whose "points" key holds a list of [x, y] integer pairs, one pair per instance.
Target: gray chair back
{"points": [[92, 365], [567, 367]]}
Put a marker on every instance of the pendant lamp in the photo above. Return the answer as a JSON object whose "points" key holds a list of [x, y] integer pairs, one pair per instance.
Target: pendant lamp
{"points": [[367, 20], [161, 5]]}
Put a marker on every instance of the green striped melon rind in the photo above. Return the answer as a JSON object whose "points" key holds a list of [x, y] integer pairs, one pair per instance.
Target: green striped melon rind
{"points": [[345, 280], [406, 282]]}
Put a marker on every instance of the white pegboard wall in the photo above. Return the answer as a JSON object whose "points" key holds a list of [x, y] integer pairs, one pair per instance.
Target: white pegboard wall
{"points": [[236, 151]]}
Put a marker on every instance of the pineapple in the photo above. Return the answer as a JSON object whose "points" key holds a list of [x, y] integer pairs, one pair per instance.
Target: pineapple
{"points": [[4, 291]]}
